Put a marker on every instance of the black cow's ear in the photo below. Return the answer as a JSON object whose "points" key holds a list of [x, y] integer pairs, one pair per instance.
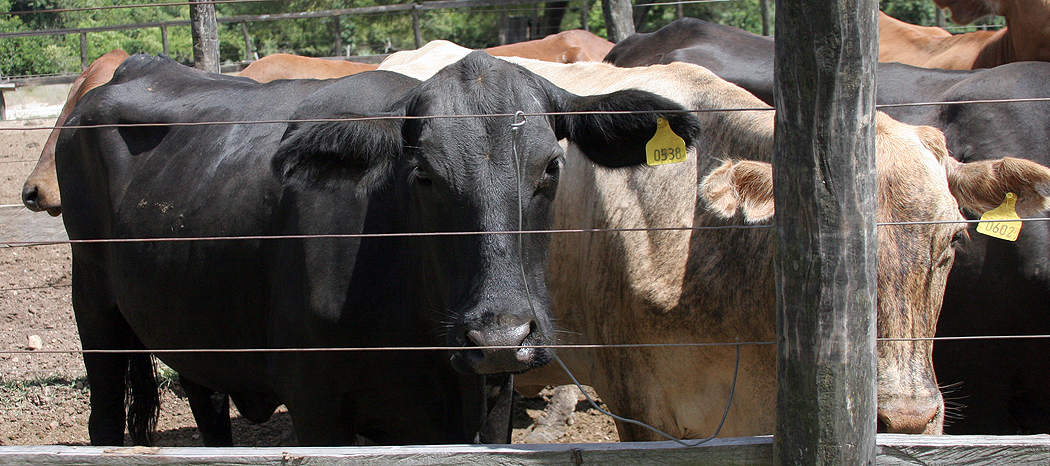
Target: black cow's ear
{"points": [[618, 139], [332, 154]]}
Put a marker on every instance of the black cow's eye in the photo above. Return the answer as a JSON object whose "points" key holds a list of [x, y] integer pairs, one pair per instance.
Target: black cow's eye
{"points": [[553, 168], [551, 172], [423, 177]]}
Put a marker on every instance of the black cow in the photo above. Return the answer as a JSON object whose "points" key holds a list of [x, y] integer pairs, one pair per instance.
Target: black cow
{"points": [[995, 287], [413, 173], [733, 54]]}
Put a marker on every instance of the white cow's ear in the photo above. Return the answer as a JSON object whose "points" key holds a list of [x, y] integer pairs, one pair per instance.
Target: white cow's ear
{"points": [[743, 185], [329, 155], [981, 186]]}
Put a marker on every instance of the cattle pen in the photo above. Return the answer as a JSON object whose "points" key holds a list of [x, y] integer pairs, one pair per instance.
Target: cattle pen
{"points": [[834, 429]]}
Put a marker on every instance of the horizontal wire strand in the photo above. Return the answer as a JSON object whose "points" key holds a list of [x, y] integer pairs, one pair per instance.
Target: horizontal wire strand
{"points": [[451, 348], [492, 115], [227, 2], [463, 233]]}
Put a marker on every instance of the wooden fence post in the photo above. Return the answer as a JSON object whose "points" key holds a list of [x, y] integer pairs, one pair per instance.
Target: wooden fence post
{"points": [[83, 51], [248, 52], [415, 25], [767, 18], [164, 38], [586, 15], [338, 30], [619, 20], [205, 33], [824, 183]]}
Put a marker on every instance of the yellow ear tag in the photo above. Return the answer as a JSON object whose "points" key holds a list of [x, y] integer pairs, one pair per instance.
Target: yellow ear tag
{"points": [[665, 146], [1002, 230]]}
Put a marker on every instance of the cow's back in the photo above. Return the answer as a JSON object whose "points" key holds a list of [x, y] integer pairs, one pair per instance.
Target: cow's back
{"points": [[288, 66], [564, 47]]}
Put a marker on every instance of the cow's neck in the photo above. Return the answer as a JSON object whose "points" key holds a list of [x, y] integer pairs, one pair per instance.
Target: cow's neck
{"points": [[997, 50], [1027, 33]]}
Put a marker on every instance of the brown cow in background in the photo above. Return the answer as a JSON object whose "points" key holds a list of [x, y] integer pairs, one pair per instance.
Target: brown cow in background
{"points": [[1026, 36], [564, 47], [288, 66]]}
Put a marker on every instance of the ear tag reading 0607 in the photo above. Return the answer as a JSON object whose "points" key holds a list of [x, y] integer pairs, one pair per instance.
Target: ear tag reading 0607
{"points": [[665, 146], [998, 229]]}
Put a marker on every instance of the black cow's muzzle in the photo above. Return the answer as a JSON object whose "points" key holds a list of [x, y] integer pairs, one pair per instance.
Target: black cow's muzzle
{"points": [[498, 349]]}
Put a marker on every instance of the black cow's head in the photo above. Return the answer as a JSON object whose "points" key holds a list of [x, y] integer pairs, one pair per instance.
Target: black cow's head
{"points": [[479, 173]]}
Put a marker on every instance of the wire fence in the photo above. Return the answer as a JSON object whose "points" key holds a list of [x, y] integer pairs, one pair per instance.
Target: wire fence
{"points": [[560, 347], [468, 233]]}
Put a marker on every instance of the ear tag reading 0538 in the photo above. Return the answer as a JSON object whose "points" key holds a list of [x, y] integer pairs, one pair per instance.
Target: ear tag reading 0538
{"points": [[1002, 230], [665, 146]]}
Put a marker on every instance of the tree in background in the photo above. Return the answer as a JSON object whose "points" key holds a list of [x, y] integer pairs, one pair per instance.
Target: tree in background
{"points": [[921, 12], [32, 55], [743, 14], [61, 54]]}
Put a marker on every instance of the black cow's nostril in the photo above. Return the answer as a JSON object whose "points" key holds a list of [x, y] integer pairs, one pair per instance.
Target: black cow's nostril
{"points": [[501, 336], [497, 352], [30, 198]]}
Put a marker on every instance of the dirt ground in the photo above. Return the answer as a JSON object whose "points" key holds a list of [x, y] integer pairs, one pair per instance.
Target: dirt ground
{"points": [[43, 392]]}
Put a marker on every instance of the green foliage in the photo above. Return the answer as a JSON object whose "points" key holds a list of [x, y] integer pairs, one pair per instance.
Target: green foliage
{"points": [[26, 55], [60, 54], [573, 18], [921, 12], [924, 13], [743, 14]]}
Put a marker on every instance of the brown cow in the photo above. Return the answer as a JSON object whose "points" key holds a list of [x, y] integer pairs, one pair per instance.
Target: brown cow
{"points": [[564, 47], [1026, 36], [40, 191], [679, 286], [894, 26], [288, 66]]}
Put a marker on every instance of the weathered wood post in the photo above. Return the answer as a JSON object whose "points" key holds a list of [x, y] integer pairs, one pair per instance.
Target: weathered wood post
{"points": [[767, 18], [619, 20], [205, 32], [248, 52], [337, 30], [585, 16], [416, 31], [83, 51], [164, 38], [825, 186]]}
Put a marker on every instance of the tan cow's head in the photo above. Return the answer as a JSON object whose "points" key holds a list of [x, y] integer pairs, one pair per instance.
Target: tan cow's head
{"points": [[918, 182]]}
